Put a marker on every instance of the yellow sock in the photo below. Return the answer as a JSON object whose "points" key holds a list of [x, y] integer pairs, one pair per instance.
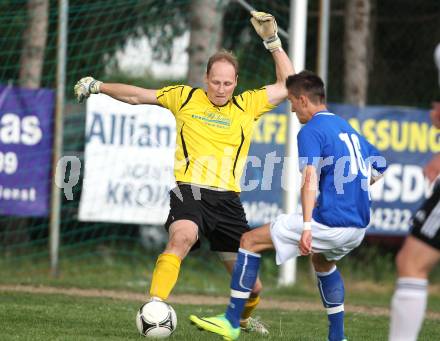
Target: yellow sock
{"points": [[165, 275], [249, 307]]}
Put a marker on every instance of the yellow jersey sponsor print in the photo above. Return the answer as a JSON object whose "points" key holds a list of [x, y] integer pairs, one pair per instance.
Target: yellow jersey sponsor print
{"points": [[212, 142]]}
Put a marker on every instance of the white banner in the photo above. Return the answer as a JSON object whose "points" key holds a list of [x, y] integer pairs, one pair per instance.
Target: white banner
{"points": [[129, 157]]}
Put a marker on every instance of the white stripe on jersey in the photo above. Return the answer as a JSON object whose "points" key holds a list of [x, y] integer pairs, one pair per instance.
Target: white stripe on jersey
{"points": [[324, 113], [432, 224]]}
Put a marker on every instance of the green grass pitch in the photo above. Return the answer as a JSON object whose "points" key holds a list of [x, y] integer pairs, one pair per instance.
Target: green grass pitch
{"points": [[26, 316]]}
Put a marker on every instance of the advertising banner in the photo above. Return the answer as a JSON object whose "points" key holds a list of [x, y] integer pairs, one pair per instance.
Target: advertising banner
{"points": [[130, 152], [262, 193], [408, 140], [26, 121], [129, 157]]}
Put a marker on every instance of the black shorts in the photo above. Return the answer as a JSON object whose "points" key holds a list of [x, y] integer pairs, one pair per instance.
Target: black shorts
{"points": [[426, 222], [219, 215]]}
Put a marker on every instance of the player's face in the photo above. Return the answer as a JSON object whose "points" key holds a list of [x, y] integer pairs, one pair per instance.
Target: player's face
{"points": [[221, 82], [298, 107]]}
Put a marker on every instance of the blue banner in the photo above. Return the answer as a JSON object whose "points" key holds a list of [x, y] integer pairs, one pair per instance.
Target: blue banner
{"points": [[404, 136], [408, 140], [262, 194], [26, 120]]}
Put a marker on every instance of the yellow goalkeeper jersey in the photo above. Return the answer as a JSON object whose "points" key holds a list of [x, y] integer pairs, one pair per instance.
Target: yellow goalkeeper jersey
{"points": [[212, 142]]}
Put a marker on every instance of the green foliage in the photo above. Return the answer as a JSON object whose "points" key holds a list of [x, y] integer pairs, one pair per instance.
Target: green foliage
{"points": [[146, 81], [401, 67], [402, 70], [12, 25], [96, 30], [370, 262]]}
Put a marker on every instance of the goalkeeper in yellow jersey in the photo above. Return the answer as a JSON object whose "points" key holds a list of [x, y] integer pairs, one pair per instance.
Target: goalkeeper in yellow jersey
{"points": [[214, 130]]}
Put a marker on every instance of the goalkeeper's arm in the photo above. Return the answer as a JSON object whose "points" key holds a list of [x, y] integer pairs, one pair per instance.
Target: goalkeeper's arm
{"points": [[266, 27], [122, 92], [129, 93], [277, 92]]}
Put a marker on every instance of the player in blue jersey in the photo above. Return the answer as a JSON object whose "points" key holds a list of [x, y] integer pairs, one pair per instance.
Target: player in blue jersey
{"points": [[339, 162]]}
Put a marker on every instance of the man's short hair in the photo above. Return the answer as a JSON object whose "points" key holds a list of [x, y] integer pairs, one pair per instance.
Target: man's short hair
{"points": [[306, 83], [223, 55]]}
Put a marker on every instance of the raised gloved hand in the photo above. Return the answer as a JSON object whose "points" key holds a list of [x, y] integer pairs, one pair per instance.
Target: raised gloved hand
{"points": [[266, 27], [86, 86]]}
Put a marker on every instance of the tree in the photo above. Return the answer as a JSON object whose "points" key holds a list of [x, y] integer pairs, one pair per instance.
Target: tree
{"points": [[357, 29], [206, 36], [34, 44], [97, 29]]}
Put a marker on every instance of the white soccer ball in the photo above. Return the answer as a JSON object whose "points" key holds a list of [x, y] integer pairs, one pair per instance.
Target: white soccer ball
{"points": [[156, 319]]}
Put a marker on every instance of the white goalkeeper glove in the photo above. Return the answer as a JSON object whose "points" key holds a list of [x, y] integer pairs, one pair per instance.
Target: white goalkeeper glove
{"points": [[86, 86], [266, 27]]}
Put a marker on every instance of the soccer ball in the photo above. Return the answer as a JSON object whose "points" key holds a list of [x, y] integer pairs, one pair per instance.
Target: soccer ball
{"points": [[156, 319]]}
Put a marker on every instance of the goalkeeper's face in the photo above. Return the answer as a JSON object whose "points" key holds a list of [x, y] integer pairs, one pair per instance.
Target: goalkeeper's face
{"points": [[221, 82]]}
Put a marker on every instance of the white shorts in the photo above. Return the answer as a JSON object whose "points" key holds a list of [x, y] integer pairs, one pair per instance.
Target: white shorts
{"points": [[333, 242]]}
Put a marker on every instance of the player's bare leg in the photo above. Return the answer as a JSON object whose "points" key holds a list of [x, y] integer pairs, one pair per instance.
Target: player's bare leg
{"points": [[414, 263], [257, 240], [416, 259], [182, 236], [331, 289], [321, 264]]}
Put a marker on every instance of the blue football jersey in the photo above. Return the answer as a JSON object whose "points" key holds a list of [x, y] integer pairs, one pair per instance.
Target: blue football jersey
{"points": [[344, 161]]}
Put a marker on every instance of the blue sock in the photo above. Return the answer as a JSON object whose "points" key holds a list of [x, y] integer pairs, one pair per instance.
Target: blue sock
{"points": [[331, 289], [242, 282]]}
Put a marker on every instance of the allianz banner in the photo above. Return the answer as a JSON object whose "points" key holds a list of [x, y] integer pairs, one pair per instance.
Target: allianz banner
{"points": [[26, 121], [129, 157], [407, 139]]}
